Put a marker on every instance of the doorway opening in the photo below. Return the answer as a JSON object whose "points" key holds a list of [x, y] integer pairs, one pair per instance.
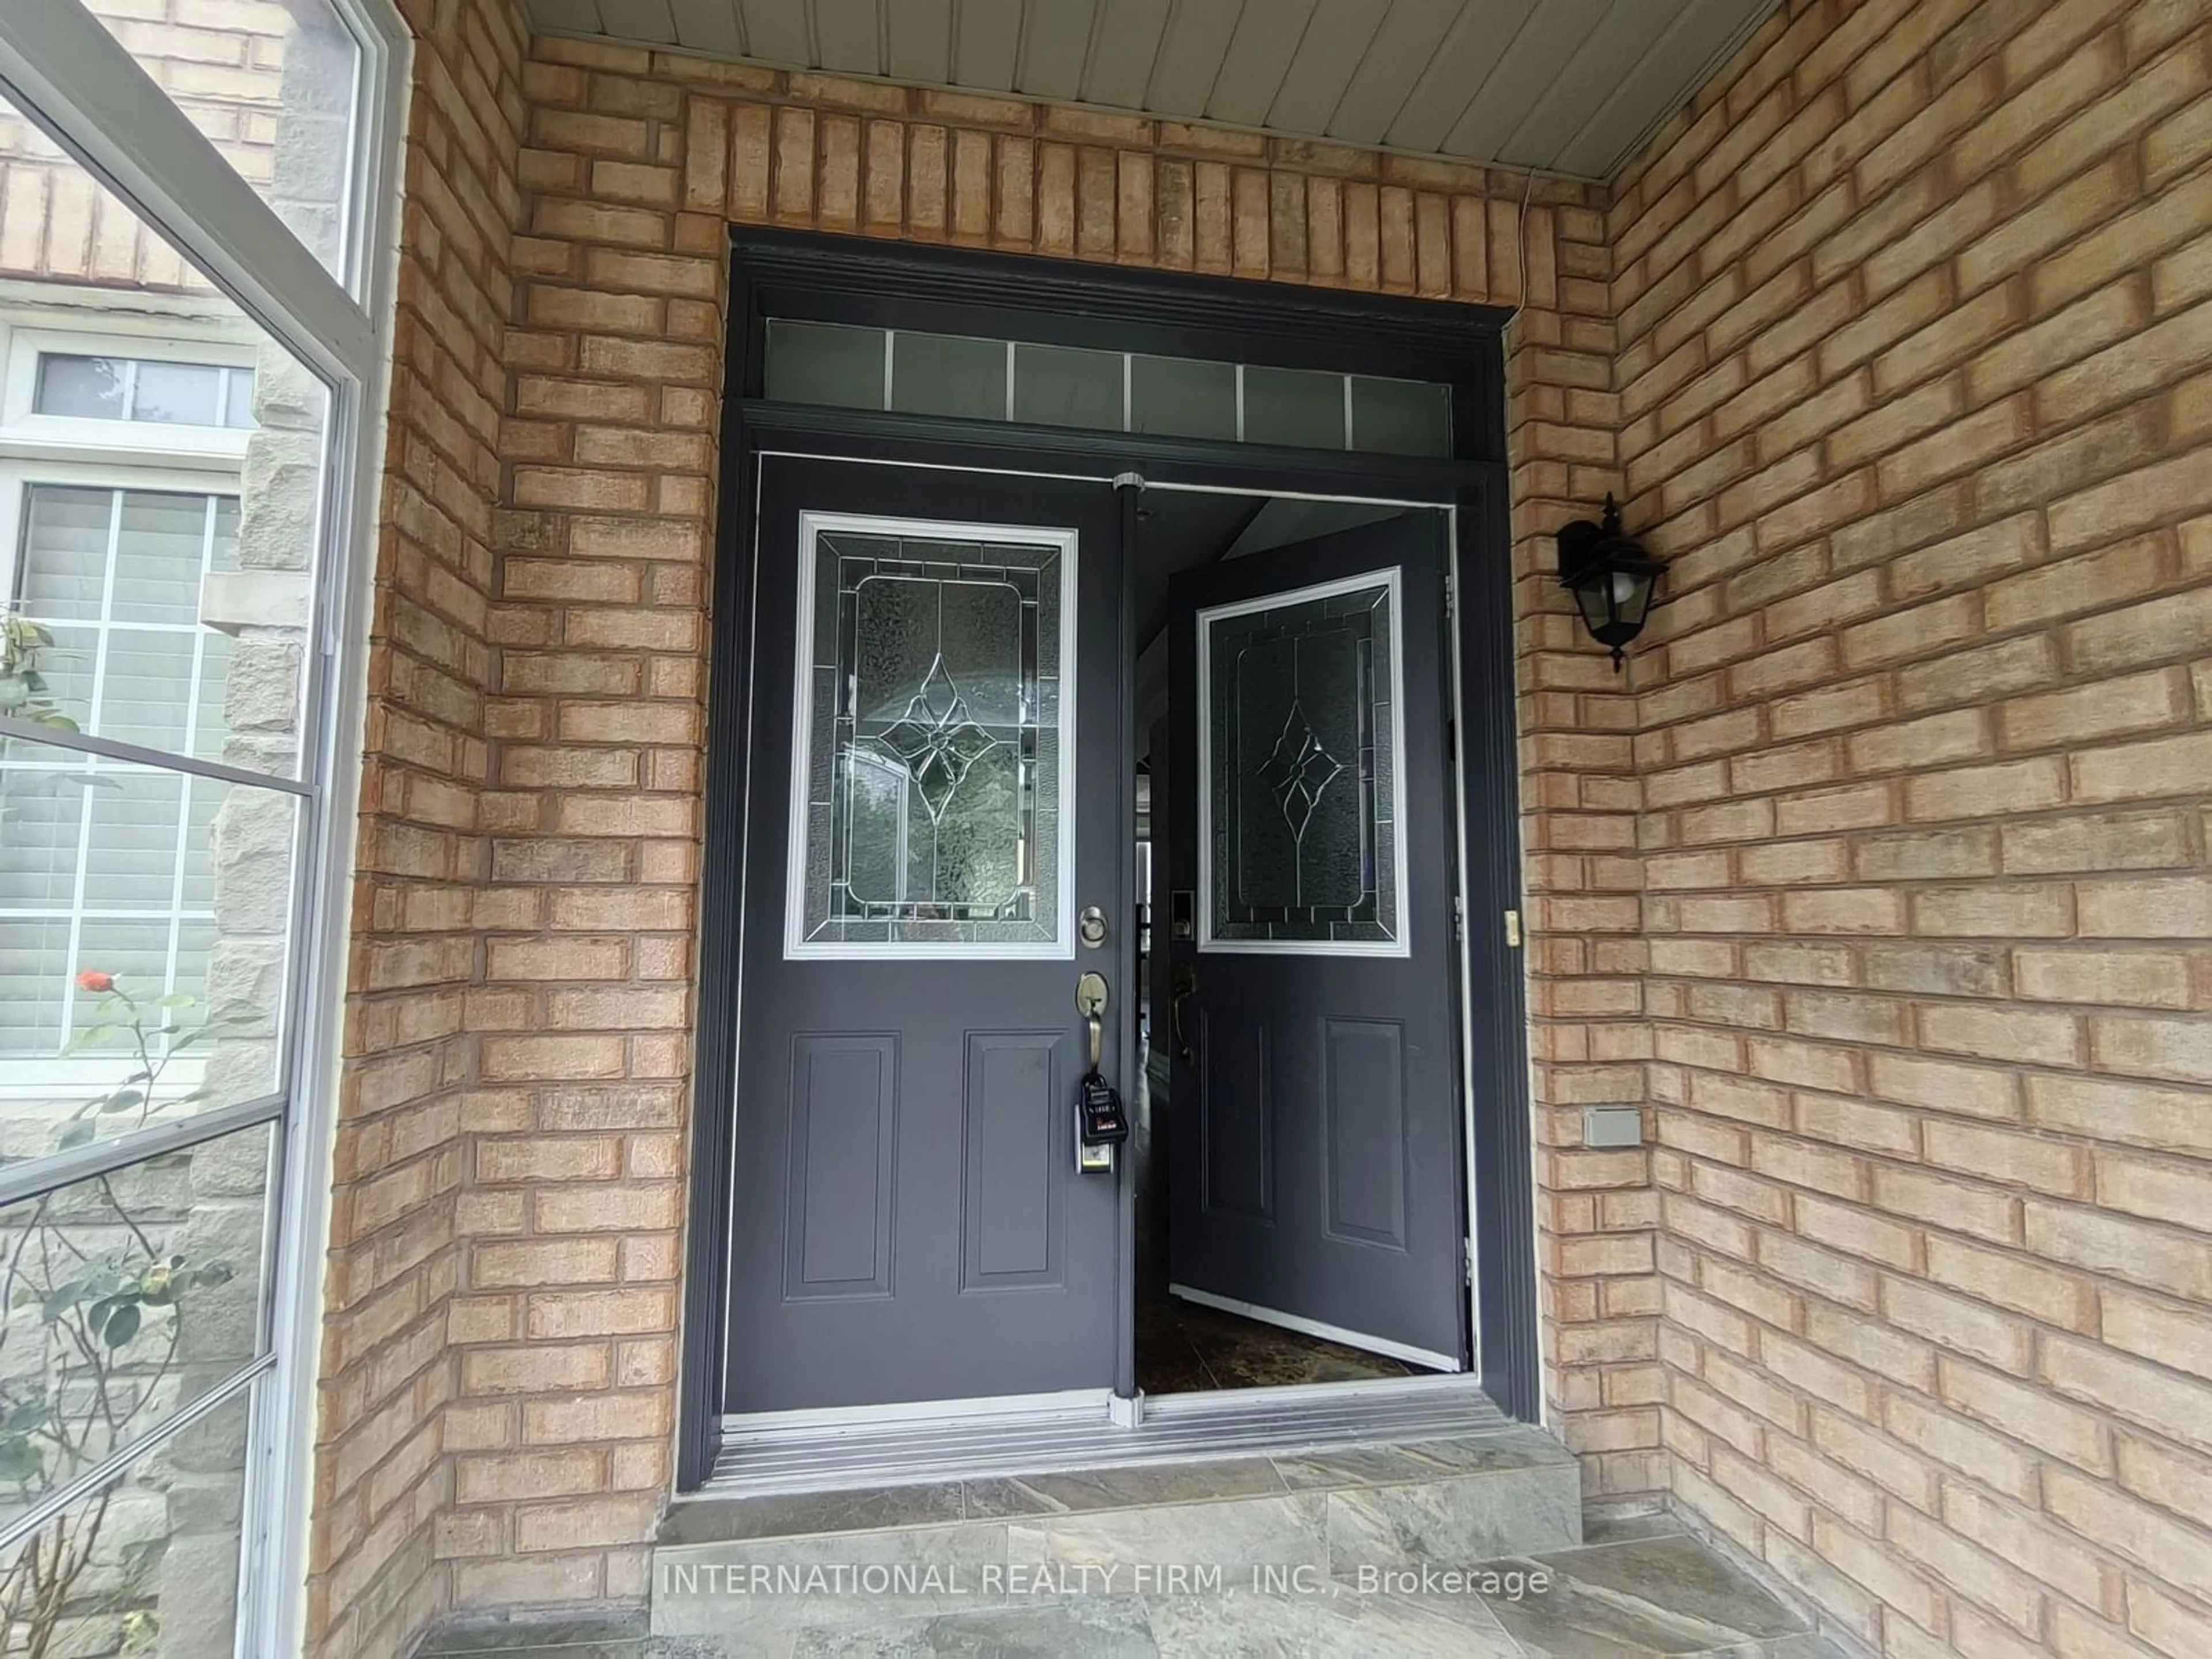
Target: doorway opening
{"points": [[1296, 1158], [964, 497]]}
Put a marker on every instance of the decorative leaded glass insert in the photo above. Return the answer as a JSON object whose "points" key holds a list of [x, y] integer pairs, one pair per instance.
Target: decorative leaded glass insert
{"points": [[1303, 845], [929, 762]]}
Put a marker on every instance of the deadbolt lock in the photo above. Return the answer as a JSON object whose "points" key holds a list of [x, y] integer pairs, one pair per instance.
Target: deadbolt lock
{"points": [[1090, 926]]}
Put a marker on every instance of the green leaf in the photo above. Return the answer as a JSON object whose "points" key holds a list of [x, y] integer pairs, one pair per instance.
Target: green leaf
{"points": [[122, 1101], [20, 1459], [63, 1297], [177, 999], [86, 1035], [79, 1133], [210, 1273], [121, 1325], [26, 1417]]}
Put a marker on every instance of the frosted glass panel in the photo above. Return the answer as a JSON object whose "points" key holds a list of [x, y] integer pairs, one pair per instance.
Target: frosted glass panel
{"points": [[1400, 417], [932, 766], [824, 363], [946, 375], [1183, 397], [1294, 406], [1303, 845], [1066, 385]]}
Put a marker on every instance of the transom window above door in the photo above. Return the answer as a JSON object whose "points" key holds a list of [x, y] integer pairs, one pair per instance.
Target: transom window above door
{"points": [[931, 785], [971, 377]]}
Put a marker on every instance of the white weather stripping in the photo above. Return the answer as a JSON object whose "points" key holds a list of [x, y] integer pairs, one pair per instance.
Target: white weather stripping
{"points": [[1405, 1351]]}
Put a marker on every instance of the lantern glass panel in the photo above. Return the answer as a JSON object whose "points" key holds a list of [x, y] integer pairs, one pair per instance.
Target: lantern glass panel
{"points": [[1631, 592], [1591, 597]]}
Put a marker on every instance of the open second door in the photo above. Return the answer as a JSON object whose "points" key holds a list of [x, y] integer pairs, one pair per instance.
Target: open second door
{"points": [[1317, 1167]]}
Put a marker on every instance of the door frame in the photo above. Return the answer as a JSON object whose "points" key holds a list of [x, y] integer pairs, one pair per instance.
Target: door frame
{"points": [[812, 276]]}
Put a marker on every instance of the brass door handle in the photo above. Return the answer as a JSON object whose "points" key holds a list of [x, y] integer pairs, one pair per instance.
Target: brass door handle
{"points": [[1091, 1003]]}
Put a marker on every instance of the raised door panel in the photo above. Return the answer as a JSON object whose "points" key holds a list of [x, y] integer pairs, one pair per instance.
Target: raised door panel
{"points": [[1016, 1121], [1364, 1129], [843, 1143], [1237, 1151]]}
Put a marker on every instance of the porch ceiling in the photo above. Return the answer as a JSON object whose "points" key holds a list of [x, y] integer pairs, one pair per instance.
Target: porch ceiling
{"points": [[1568, 87]]}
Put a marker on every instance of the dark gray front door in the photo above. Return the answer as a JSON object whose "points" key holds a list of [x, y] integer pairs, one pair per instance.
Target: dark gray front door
{"points": [[1316, 1096], [931, 798]]}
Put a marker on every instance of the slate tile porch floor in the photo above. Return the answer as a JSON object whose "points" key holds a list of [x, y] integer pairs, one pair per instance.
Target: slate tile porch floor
{"points": [[1185, 1348], [1641, 1588]]}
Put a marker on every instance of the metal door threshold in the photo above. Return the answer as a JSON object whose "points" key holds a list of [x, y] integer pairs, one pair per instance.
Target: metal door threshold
{"points": [[758, 1460]]}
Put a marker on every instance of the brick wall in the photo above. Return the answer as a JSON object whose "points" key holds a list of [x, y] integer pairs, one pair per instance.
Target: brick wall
{"points": [[1595, 1210], [1913, 326], [563, 1179], [1880, 879], [382, 1479]]}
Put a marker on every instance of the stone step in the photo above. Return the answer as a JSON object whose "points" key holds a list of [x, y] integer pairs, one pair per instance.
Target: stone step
{"points": [[1295, 1523]]}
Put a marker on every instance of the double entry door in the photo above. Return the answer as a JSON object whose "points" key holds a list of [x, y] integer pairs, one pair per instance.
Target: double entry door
{"points": [[936, 804]]}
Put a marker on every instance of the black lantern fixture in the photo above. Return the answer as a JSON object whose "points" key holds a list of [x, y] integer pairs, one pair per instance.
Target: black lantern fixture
{"points": [[1611, 578]]}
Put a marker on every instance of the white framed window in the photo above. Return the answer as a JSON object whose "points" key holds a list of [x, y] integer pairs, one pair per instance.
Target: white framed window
{"points": [[93, 385], [192, 370], [162, 392], [113, 562]]}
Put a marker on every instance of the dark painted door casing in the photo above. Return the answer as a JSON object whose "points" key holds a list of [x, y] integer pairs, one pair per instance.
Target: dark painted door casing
{"points": [[1317, 1136], [908, 1222]]}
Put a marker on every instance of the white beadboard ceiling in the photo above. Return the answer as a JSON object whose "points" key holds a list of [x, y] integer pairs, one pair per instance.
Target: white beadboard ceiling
{"points": [[1568, 86]]}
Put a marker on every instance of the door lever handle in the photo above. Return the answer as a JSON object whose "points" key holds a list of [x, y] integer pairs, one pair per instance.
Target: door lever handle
{"points": [[1186, 987], [1091, 1003]]}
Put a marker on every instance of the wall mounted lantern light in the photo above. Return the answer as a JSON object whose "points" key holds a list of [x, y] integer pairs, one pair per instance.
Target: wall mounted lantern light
{"points": [[1611, 578]]}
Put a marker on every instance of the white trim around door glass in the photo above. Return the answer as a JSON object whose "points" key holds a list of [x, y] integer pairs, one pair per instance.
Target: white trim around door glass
{"points": [[796, 946], [1402, 944]]}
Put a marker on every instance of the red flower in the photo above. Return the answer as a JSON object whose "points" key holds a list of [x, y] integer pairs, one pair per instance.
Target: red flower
{"points": [[93, 980]]}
